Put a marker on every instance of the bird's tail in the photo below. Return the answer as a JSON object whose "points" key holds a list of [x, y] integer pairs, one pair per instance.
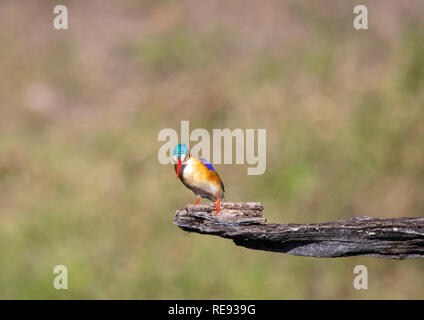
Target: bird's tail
{"points": [[222, 197]]}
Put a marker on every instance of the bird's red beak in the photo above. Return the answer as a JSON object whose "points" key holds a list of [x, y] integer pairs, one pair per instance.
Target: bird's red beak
{"points": [[178, 167]]}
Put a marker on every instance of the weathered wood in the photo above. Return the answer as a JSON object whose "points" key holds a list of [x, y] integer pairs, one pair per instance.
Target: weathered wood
{"points": [[396, 238]]}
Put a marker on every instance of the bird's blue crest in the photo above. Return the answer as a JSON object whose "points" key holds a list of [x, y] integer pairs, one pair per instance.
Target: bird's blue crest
{"points": [[179, 150]]}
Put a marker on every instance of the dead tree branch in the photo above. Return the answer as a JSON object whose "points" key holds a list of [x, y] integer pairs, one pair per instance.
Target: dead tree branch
{"points": [[396, 238]]}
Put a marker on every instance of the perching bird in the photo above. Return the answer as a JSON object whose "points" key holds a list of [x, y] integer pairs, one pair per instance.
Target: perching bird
{"points": [[198, 175]]}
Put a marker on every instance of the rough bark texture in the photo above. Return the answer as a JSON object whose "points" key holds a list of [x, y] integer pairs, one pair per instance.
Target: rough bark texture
{"points": [[396, 238]]}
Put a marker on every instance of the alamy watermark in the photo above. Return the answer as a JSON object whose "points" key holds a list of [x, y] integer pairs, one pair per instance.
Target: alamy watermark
{"points": [[360, 22], [61, 20], [60, 282], [361, 280], [245, 145]]}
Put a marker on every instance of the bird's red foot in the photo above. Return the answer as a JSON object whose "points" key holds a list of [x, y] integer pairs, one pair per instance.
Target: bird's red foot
{"points": [[197, 201], [217, 205]]}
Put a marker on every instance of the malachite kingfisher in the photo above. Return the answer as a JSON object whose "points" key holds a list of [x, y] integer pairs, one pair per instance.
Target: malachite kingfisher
{"points": [[198, 175]]}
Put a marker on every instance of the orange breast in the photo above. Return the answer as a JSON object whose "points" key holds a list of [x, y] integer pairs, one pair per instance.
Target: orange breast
{"points": [[200, 176]]}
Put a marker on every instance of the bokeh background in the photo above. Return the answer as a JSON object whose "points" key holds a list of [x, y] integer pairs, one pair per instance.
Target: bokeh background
{"points": [[81, 109]]}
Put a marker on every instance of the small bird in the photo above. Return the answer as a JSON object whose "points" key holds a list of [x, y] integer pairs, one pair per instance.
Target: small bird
{"points": [[198, 175]]}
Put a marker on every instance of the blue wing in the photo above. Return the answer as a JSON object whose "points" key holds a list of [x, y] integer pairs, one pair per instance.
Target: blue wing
{"points": [[207, 164]]}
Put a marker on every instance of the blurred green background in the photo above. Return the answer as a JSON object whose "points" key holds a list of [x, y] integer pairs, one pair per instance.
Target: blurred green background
{"points": [[80, 111]]}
